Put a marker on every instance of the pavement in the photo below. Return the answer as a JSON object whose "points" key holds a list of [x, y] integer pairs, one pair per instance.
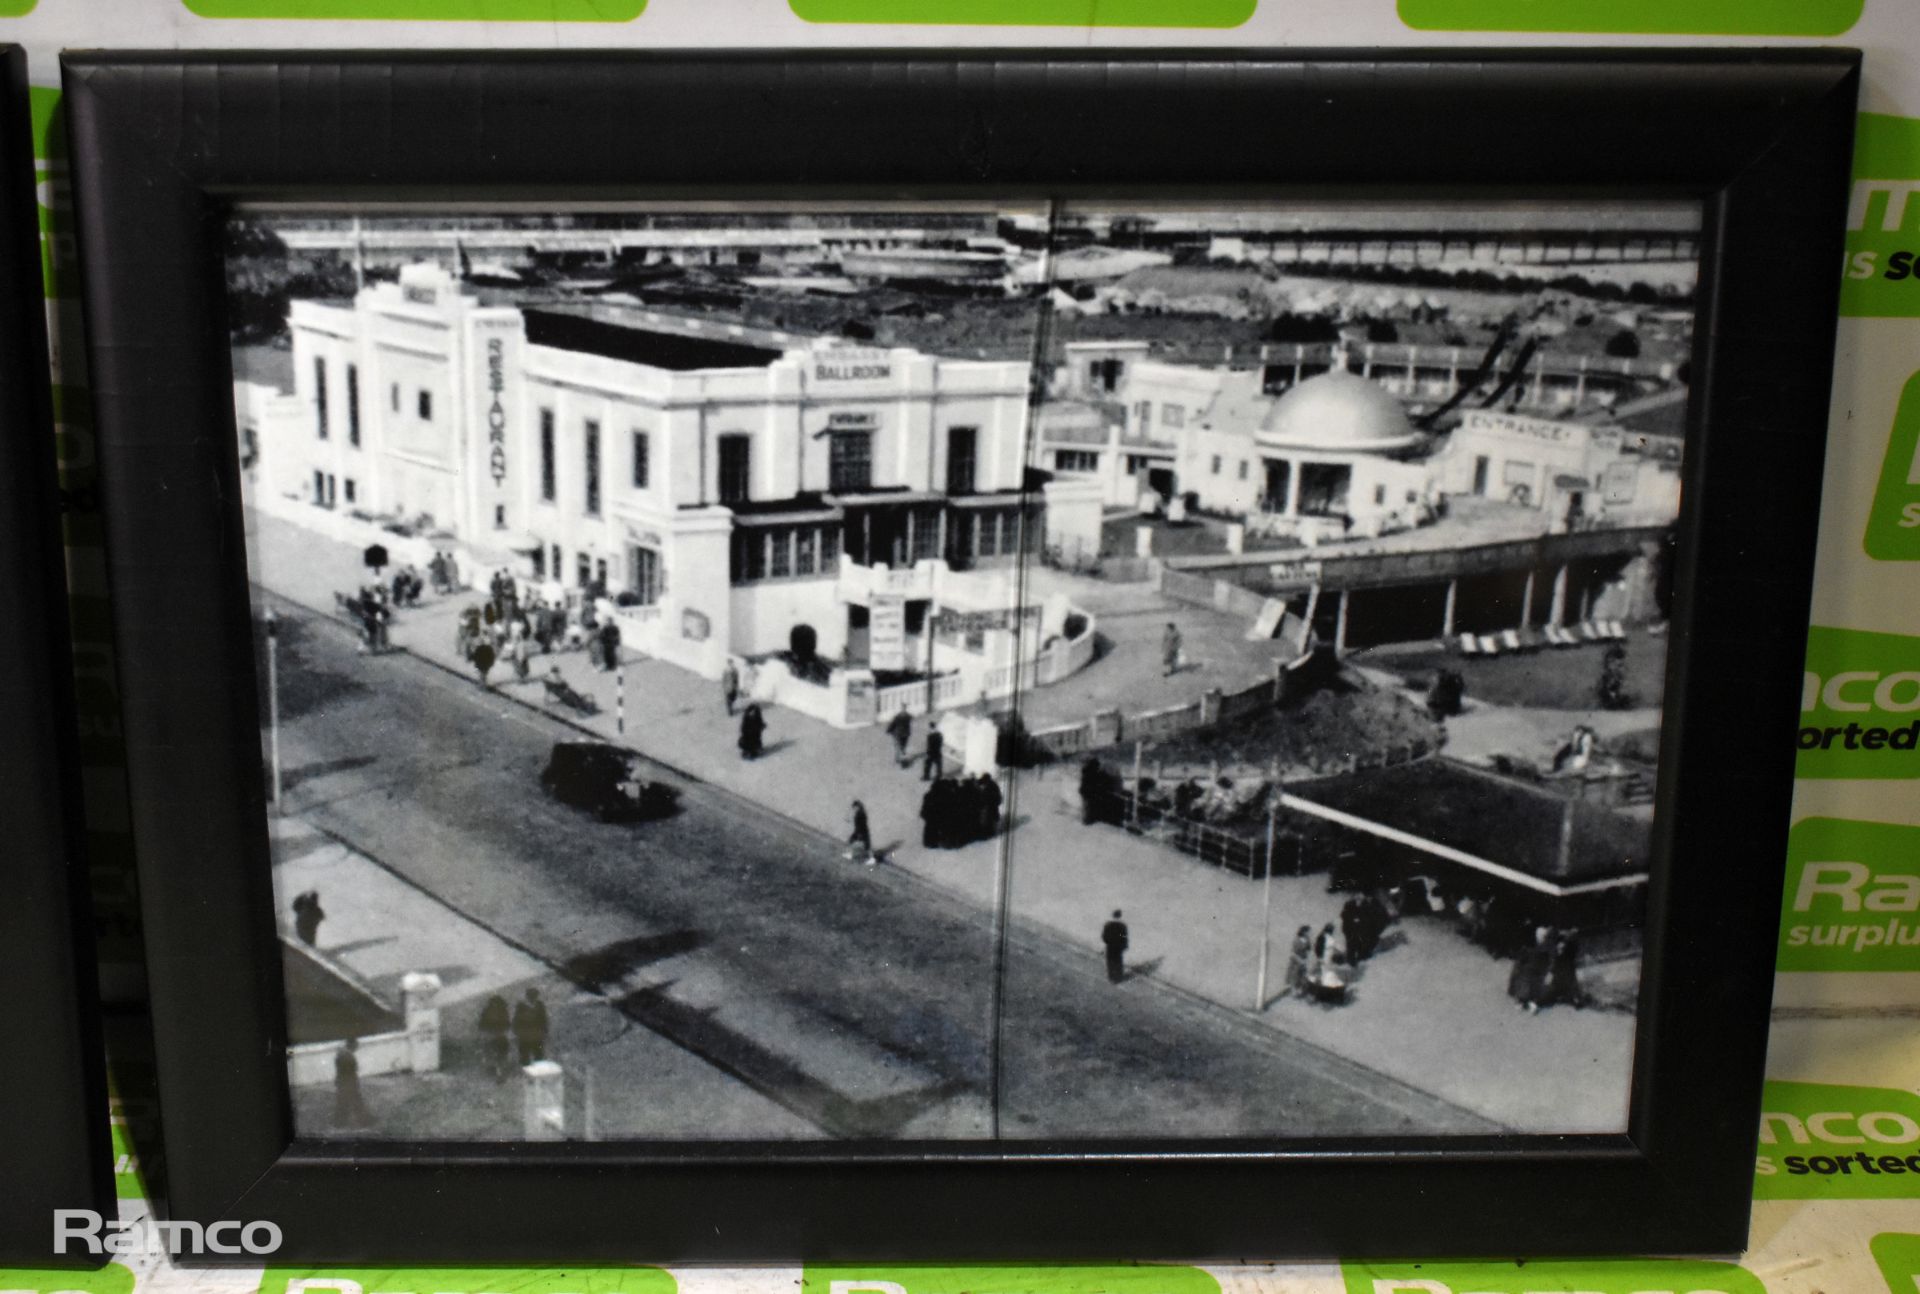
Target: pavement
{"points": [[1430, 1011], [381, 927]]}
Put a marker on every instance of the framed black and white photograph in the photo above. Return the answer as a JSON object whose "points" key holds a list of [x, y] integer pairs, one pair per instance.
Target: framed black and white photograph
{"points": [[53, 1102], [960, 657]]}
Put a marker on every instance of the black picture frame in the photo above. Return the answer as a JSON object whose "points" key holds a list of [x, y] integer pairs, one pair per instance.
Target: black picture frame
{"points": [[164, 141], [53, 1103]]}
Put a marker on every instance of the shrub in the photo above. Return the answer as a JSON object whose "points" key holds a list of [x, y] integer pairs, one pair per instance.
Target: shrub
{"points": [[1624, 344]]}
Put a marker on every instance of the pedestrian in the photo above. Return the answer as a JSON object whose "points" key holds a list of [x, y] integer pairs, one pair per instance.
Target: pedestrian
{"points": [[609, 644], [1114, 936], [520, 650], [1170, 649], [483, 658], [307, 916], [1527, 983], [991, 799], [1297, 958], [730, 685], [437, 571], [930, 810], [349, 1106], [859, 836], [530, 1027], [453, 574], [753, 728], [1563, 975], [495, 1021], [935, 762], [900, 728]]}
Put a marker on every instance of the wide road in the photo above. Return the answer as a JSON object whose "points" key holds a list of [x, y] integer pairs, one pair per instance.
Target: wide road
{"points": [[856, 997]]}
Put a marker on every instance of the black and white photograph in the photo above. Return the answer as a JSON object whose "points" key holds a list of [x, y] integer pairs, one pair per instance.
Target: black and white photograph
{"points": [[961, 671]]}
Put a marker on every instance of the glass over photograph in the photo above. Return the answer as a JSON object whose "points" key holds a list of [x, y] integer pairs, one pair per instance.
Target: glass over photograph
{"points": [[960, 670]]}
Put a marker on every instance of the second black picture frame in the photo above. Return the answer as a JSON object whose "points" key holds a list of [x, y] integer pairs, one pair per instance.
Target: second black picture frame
{"points": [[169, 146], [53, 1100]]}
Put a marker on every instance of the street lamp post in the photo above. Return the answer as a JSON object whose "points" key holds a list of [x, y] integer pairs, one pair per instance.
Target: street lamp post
{"points": [[273, 701], [1266, 894]]}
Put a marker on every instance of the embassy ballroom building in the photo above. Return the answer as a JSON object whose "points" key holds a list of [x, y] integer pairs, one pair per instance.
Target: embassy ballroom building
{"points": [[725, 486]]}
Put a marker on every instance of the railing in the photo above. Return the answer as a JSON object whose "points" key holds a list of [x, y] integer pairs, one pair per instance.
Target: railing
{"points": [[1241, 852]]}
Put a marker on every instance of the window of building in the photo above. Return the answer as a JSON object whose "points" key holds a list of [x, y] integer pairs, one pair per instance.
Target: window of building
{"points": [[583, 570], [394, 396], [806, 551], [923, 536], [642, 464], [1379, 494], [1143, 415], [499, 516], [353, 410], [963, 455], [779, 554], [1173, 415], [1076, 460], [643, 575], [349, 485], [736, 468], [426, 406], [749, 555], [1216, 464], [829, 549], [556, 567], [1138, 463], [548, 484], [1243, 469], [850, 462], [320, 394], [593, 468]]}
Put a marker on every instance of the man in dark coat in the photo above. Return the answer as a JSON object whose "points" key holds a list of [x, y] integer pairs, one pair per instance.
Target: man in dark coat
{"points": [[349, 1106], [900, 730], [935, 762], [1114, 936], [609, 645], [307, 916], [530, 1027]]}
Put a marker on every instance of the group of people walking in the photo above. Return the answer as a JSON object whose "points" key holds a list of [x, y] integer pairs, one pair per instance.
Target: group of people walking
{"points": [[525, 1023], [957, 811], [1546, 972]]}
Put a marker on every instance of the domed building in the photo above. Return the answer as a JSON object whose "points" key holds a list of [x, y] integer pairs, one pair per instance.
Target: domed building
{"points": [[1334, 455]]}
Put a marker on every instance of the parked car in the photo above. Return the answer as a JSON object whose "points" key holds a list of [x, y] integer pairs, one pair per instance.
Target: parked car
{"points": [[604, 779]]}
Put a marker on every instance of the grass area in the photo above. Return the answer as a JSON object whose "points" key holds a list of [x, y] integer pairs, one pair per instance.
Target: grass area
{"points": [[1552, 678]]}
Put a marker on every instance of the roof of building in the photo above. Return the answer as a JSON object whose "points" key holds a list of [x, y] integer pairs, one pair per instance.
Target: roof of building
{"points": [[1339, 410], [675, 351], [1661, 414], [1497, 818], [1336, 411]]}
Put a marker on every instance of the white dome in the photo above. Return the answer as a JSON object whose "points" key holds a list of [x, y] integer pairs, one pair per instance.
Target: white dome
{"points": [[1338, 411]]}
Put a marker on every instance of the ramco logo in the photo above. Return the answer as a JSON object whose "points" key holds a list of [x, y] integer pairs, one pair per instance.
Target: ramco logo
{"points": [[84, 1231], [1597, 1276], [1820, 1139], [1851, 897], [1859, 705]]}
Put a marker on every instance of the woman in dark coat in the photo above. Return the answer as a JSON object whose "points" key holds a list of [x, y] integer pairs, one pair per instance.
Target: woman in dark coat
{"points": [[495, 1020], [752, 728], [1527, 984]]}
